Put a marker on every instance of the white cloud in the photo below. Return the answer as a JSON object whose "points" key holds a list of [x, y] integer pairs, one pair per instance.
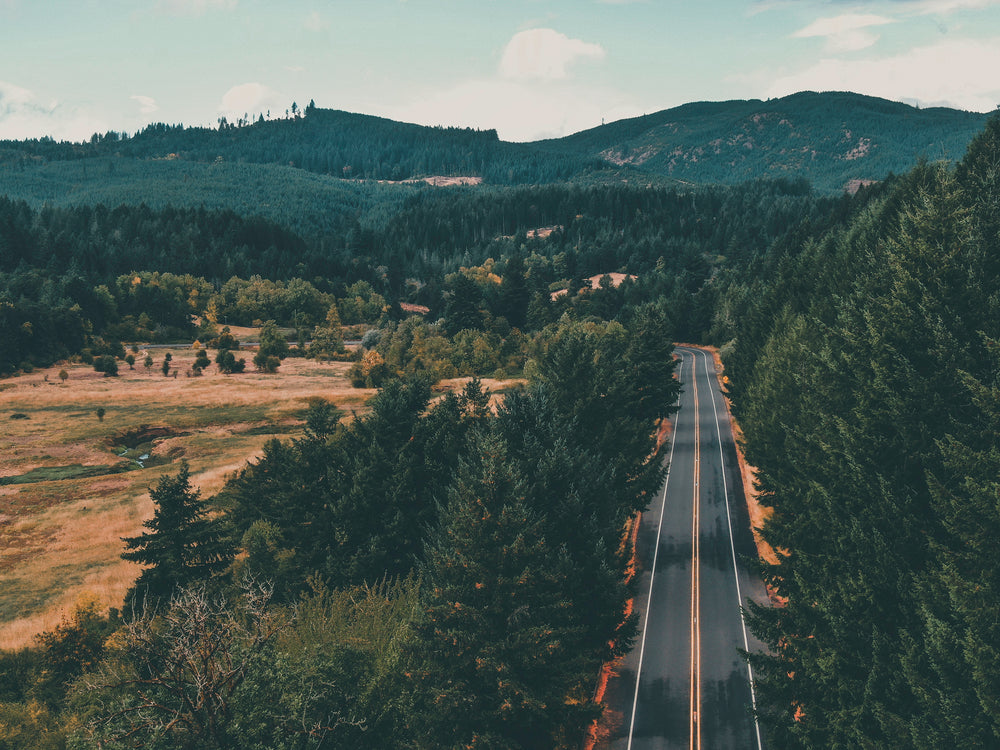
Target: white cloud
{"points": [[957, 73], [12, 96], [532, 96], [251, 98], [544, 54], [315, 22], [927, 7], [845, 33], [147, 104], [194, 7], [22, 116], [519, 110]]}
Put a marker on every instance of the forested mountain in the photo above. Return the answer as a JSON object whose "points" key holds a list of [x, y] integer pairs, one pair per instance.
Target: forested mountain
{"points": [[828, 138], [330, 142]]}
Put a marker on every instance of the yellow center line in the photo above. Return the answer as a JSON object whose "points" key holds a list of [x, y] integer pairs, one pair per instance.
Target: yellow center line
{"points": [[695, 682]]}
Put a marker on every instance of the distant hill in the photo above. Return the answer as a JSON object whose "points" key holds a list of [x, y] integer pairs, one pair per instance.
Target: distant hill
{"points": [[324, 141], [828, 138], [320, 169]]}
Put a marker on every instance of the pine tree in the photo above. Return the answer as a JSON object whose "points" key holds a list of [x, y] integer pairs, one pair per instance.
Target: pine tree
{"points": [[496, 655], [181, 545], [514, 292], [462, 310]]}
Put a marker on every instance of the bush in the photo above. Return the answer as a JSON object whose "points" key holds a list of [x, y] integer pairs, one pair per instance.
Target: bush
{"points": [[225, 340], [265, 362], [228, 363], [371, 338], [370, 372], [107, 364]]}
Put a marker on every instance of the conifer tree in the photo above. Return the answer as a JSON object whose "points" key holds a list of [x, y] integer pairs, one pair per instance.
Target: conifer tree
{"points": [[181, 545], [496, 656]]}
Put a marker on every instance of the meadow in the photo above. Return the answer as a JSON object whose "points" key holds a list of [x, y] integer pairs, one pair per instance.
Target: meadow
{"points": [[72, 483]]}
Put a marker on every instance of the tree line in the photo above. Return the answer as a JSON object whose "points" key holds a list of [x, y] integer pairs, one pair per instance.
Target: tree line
{"points": [[67, 275]]}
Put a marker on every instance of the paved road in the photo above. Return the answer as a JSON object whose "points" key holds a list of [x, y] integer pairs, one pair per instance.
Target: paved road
{"points": [[685, 685]]}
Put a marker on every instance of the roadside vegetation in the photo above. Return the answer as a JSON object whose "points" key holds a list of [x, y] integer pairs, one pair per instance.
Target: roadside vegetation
{"points": [[868, 398]]}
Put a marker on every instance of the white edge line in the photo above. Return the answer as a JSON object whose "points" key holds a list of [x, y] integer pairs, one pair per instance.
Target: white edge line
{"points": [[732, 547], [652, 571]]}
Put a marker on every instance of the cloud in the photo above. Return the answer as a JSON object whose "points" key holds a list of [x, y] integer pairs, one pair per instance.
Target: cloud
{"points": [[194, 7], [845, 33], [248, 98], [147, 104], [531, 96], [928, 7], [544, 54], [315, 22], [958, 73], [907, 7], [22, 116], [12, 97], [519, 110]]}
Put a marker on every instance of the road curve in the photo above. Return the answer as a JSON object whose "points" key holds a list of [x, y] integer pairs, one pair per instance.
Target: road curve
{"points": [[684, 685]]}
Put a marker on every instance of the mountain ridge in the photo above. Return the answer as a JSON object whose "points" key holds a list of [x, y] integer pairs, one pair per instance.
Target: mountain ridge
{"points": [[830, 139]]}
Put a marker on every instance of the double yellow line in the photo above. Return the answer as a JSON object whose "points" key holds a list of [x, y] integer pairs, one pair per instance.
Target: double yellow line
{"points": [[695, 682]]}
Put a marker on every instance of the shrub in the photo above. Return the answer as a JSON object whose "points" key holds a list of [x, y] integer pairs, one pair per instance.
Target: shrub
{"points": [[370, 372], [107, 364], [228, 363]]}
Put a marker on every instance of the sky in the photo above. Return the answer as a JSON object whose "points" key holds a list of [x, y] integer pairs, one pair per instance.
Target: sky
{"points": [[530, 69]]}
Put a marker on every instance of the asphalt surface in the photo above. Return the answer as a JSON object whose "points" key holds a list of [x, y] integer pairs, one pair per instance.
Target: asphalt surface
{"points": [[685, 685]]}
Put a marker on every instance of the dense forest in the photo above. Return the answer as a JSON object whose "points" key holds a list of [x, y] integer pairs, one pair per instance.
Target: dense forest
{"points": [[868, 396], [440, 574], [829, 138], [89, 277]]}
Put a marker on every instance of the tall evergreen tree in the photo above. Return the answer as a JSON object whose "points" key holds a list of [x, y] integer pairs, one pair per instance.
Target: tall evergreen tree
{"points": [[462, 308], [495, 656], [181, 545], [514, 292]]}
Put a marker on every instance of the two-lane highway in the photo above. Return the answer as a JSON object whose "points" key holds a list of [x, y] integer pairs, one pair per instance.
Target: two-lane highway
{"points": [[685, 685]]}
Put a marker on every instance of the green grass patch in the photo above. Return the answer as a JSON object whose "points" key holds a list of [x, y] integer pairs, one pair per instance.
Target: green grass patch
{"points": [[57, 473], [272, 429]]}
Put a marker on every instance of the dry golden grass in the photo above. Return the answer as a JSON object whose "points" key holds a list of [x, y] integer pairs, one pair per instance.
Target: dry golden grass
{"points": [[60, 539]]}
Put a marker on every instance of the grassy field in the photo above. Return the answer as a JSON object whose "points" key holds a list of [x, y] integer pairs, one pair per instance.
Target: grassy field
{"points": [[71, 484]]}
